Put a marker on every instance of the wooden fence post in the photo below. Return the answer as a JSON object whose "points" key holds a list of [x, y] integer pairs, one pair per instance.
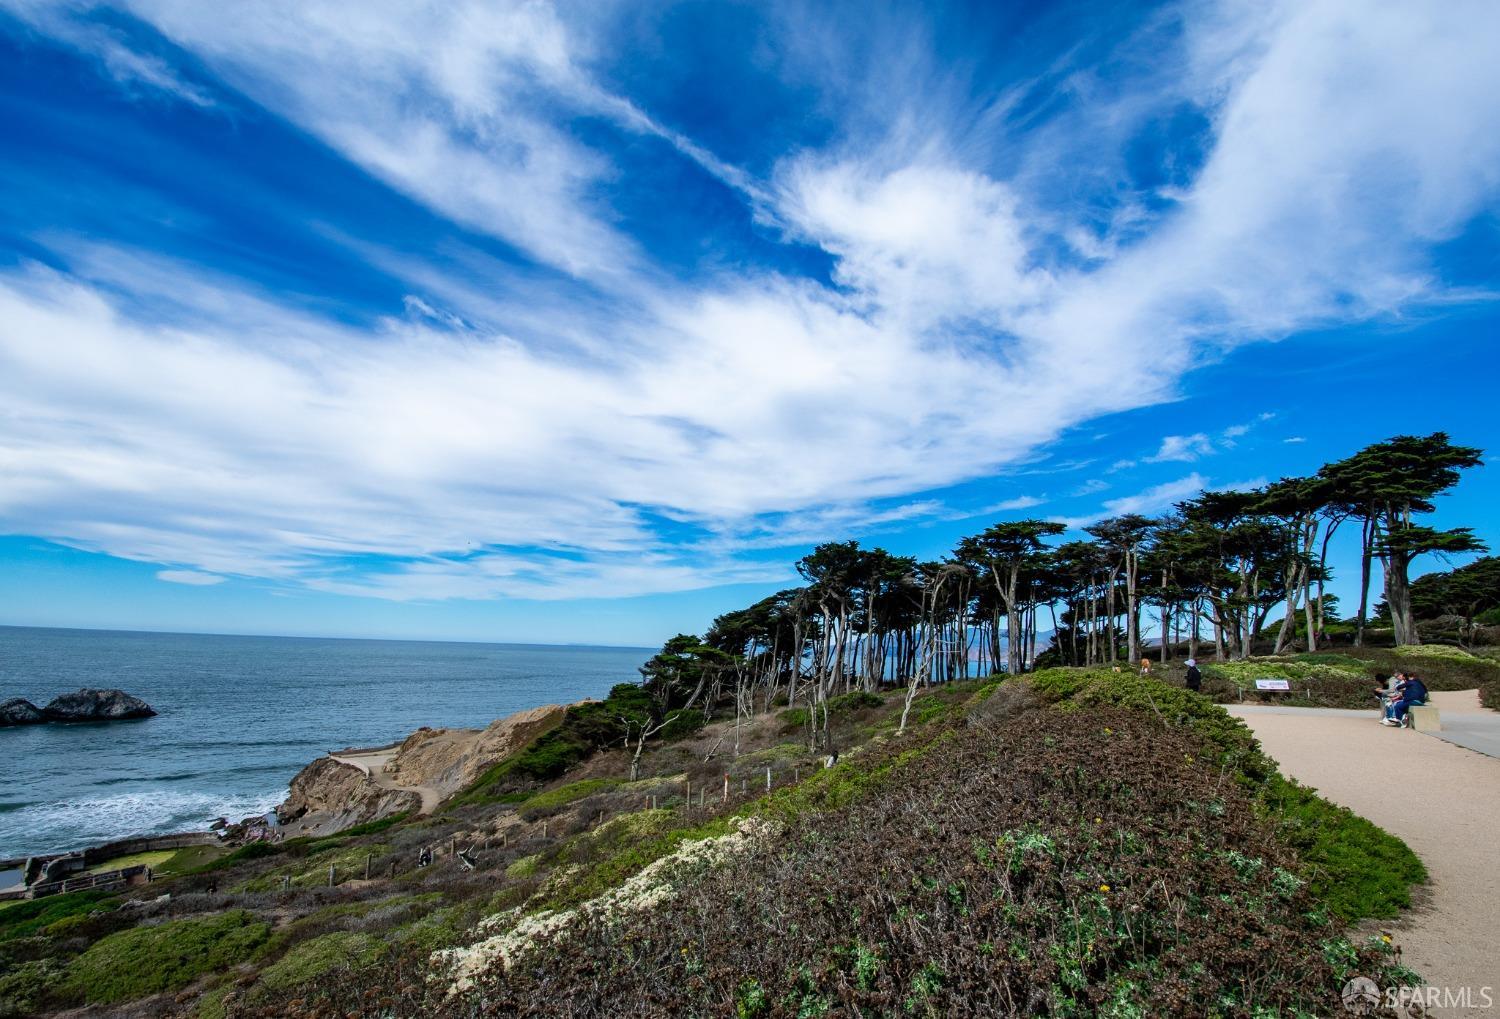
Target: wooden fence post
{"points": [[768, 778], [368, 857], [330, 875]]}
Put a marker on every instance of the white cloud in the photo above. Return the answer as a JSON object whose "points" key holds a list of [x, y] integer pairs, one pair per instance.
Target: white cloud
{"points": [[128, 66], [193, 578], [1183, 447], [1158, 497], [1294, 439], [1151, 501], [1010, 505], [248, 438]]}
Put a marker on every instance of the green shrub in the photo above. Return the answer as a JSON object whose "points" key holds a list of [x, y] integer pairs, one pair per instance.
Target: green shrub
{"points": [[29, 916], [553, 800], [1235, 746], [584, 729], [311, 959], [681, 724], [166, 957], [1356, 869], [855, 700], [372, 827], [30, 988], [245, 853], [843, 704], [191, 860]]}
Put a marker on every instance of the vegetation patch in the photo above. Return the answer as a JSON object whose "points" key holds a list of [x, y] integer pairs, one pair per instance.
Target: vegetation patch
{"points": [[191, 860], [153, 859], [29, 916], [372, 827], [341, 950], [165, 957], [1082, 862], [1357, 869], [27, 988], [553, 800]]}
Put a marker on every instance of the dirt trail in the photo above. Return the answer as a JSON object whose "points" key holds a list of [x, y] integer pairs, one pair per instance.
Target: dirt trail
{"points": [[373, 764], [1443, 800]]}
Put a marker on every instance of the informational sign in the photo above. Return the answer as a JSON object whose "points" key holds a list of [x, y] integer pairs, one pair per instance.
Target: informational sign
{"points": [[1273, 684]]}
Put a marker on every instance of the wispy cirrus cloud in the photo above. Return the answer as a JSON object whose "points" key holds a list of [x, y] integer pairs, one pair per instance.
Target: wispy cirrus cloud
{"points": [[192, 578], [519, 441]]}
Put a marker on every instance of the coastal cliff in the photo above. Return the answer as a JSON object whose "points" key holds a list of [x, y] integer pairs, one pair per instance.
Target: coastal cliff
{"points": [[451, 759], [353, 787], [329, 795]]}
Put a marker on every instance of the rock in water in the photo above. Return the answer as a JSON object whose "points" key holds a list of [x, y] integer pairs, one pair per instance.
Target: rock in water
{"points": [[20, 711], [90, 705]]}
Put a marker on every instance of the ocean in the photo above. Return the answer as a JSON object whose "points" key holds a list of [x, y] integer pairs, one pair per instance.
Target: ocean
{"points": [[239, 716]]}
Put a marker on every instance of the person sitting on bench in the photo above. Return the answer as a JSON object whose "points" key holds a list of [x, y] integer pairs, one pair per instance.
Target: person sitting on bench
{"points": [[1410, 693], [1386, 693]]}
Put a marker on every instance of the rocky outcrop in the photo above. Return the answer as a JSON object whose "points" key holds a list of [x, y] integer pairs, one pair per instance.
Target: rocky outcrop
{"points": [[329, 796], [20, 711], [86, 705], [451, 759], [91, 705], [351, 787]]}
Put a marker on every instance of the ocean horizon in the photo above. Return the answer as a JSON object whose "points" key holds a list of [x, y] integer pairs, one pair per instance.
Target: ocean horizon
{"points": [[239, 715]]}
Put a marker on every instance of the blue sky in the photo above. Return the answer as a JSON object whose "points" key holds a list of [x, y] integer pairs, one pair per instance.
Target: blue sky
{"points": [[581, 322]]}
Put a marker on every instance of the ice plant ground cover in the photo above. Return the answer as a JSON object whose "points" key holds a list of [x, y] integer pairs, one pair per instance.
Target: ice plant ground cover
{"points": [[1081, 843]]}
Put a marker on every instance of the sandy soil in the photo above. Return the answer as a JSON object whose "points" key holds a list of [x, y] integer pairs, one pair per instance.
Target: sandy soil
{"points": [[1445, 805], [373, 763]]}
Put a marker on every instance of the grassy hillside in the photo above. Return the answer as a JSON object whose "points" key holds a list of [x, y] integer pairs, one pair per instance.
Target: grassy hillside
{"points": [[1073, 843]]}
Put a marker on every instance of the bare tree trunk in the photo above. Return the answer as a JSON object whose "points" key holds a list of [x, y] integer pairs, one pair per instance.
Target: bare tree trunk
{"points": [[1367, 538], [1109, 609], [1397, 563]]}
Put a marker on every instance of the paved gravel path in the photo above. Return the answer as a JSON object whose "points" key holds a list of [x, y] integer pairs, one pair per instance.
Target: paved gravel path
{"points": [[1449, 814], [373, 762]]}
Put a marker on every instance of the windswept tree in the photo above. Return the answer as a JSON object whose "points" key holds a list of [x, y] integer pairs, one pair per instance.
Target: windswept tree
{"points": [[1465, 594], [1299, 504], [1123, 540], [1006, 553], [1239, 556], [868, 619], [1384, 485]]}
